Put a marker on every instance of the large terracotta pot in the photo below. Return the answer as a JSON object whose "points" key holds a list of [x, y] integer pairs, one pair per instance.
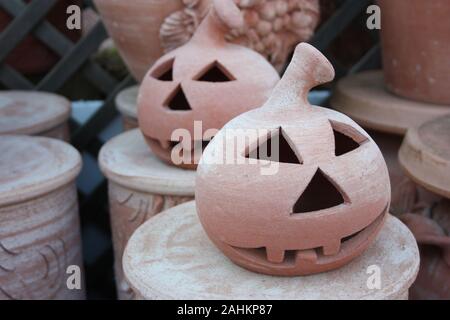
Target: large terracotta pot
{"points": [[145, 29], [32, 56], [416, 48]]}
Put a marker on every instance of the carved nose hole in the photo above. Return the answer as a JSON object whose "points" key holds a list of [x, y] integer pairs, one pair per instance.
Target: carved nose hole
{"points": [[320, 194], [178, 101]]}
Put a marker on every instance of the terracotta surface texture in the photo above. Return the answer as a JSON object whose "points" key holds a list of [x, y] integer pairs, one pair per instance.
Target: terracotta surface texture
{"points": [[126, 103], [140, 186], [325, 203], [425, 155], [170, 257], [416, 47], [364, 98], [39, 225], [433, 236], [185, 86], [34, 113], [273, 27]]}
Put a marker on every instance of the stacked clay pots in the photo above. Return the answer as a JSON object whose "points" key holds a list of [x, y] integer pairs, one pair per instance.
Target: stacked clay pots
{"points": [[206, 83], [317, 202]]}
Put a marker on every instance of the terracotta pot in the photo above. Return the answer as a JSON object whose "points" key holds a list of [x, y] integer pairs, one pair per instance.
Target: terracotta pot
{"points": [[416, 48], [433, 281], [140, 186], [32, 56], [34, 113], [325, 197], [39, 224], [273, 28], [186, 85], [175, 242]]}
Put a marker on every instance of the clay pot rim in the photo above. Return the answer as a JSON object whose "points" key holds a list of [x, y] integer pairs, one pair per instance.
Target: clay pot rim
{"points": [[59, 115], [71, 167], [428, 159], [368, 110], [150, 181], [123, 106]]}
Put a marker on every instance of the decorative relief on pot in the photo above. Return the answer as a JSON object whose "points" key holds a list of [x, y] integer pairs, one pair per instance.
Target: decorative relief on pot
{"points": [[431, 229], [35, 255], [129, 210], [323, 205], [272, 27]]}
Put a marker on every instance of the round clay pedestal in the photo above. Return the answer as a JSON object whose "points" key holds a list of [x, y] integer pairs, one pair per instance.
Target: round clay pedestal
{"points": [[40, 247], [425, 157], [171, 257], [140, 186], [34, 113], [126, 103], [364, 98]]}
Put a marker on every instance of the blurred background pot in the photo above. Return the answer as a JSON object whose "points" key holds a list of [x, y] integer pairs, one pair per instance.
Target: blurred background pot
{"points": [[416, 48]]}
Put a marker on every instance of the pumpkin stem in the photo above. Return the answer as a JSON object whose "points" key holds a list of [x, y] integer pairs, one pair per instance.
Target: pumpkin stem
{"points": [[308, 69], [223, 16]]}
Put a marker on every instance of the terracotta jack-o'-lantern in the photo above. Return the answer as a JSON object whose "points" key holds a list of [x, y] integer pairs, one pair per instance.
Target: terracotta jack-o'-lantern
{"points": [[207, 80], [325, 202]]}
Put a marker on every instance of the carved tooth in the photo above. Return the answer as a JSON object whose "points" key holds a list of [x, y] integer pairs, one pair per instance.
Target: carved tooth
{"points": [[305, 255], [275, 255], [332, 248]]}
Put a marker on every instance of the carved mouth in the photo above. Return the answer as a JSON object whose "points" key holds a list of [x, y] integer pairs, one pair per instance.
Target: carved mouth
{"points": [[314, 256]]}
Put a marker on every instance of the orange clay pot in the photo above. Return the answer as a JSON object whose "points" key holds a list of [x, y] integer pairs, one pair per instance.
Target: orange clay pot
{"points": [[416, 48], [207, 80], [324, 203]]}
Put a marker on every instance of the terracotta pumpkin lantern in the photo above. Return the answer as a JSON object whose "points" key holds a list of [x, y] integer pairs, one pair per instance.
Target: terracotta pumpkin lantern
{"points": [[207, 80], [325, 202]]}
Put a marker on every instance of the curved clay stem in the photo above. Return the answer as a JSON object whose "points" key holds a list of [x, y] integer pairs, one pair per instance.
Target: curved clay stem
{"points": [[222, 16], [308, 69]]}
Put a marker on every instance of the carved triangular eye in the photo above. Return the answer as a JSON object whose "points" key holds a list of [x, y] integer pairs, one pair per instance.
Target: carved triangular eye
{"points": [[276, 148], [320, 194], [215, 73], [178, 101], [346, 138], [164, 72]]}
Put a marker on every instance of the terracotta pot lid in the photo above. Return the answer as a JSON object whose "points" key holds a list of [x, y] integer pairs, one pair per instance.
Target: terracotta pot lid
{"points": [[126, 102], [364, 98], [32, 166], [174, 242], [425, 155], [26, 112], [128, 161]]}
